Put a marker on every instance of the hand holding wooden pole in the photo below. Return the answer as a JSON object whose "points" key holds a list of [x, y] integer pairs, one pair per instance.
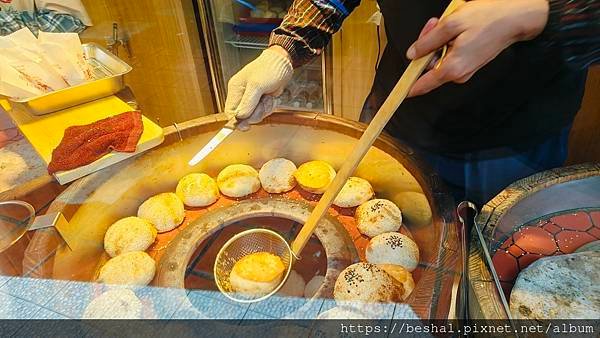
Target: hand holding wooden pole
{"points": [[385, 113]]}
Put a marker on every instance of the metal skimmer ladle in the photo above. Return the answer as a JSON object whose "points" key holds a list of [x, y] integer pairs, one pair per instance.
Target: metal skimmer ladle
{"points": [[263, 240]]}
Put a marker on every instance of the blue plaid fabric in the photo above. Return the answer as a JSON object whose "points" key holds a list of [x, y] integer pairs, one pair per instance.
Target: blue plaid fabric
{"points": [[40, 20]]}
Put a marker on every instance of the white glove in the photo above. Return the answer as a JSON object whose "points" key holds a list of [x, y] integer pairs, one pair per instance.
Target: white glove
{"points": [[251, 91]]}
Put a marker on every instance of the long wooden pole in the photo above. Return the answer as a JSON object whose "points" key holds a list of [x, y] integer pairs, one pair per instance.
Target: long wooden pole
{"points": [[385, 113]]}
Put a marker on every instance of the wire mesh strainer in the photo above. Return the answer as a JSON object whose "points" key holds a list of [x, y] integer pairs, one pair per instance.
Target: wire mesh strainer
{"points": [[242, 245]]}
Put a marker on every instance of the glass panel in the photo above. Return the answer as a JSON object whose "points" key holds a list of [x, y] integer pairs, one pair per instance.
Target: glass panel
{"points": [[240, 34], [161, 41], [15, 219]]}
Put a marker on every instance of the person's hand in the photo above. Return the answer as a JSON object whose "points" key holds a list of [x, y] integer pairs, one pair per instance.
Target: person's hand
{"points": [[476, 33], [250, 92]]}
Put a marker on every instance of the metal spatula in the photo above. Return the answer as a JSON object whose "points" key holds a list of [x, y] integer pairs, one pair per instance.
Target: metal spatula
{"points": [[250, 241]]}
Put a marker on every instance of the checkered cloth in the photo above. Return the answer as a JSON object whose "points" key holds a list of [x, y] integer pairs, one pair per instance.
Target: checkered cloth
{"points": [[39, 20]]}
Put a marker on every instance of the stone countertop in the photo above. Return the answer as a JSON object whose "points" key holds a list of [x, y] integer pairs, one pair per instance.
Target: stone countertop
{"points": [[30, 298], [19, 163]]}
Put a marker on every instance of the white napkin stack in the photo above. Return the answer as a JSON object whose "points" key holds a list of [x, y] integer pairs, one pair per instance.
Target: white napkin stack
{"points": [[31, 66]]}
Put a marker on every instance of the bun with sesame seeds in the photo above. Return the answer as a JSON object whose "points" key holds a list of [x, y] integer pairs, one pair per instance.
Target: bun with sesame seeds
{"points": [[393, 248], [365, 282], [378, 216]]}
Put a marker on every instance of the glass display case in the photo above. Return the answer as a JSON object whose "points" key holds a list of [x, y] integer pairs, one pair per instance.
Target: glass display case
{"points": [[235, 33], [102, 215]]}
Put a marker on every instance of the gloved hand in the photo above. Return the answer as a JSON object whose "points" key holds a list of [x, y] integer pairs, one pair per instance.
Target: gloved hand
{"points": [[251, 91]]}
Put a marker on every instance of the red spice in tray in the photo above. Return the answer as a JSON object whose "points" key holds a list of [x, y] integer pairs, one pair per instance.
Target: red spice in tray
{"points": [[82, 145]]}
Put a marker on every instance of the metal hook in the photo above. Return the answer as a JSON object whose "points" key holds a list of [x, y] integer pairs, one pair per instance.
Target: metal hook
{"points": [[296, 257], [178, 132]]}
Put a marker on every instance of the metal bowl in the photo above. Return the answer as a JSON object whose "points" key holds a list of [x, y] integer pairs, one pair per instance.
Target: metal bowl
{"points": [[16, 217]]}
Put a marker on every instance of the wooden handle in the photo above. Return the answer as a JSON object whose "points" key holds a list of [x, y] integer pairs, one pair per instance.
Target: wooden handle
{"points": [[231, 124], [385, 113]]}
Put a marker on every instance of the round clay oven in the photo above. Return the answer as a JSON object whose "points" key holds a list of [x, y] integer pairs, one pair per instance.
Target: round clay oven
{"points": [[93, 203]]}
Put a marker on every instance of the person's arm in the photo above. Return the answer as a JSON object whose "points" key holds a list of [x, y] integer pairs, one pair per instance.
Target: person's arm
{"points": [[305, 31], [308, 26], [479, 30], [574, 27]]}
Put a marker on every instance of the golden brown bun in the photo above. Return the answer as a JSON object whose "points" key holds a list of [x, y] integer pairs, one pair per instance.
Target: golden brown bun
{"points": [[315, 176], [197, 190], [355, 192], [127, 235], [132, 268], [402, 276], [257, 274], [238, 180], [378, 216], [277, 176], [165, 211]]}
